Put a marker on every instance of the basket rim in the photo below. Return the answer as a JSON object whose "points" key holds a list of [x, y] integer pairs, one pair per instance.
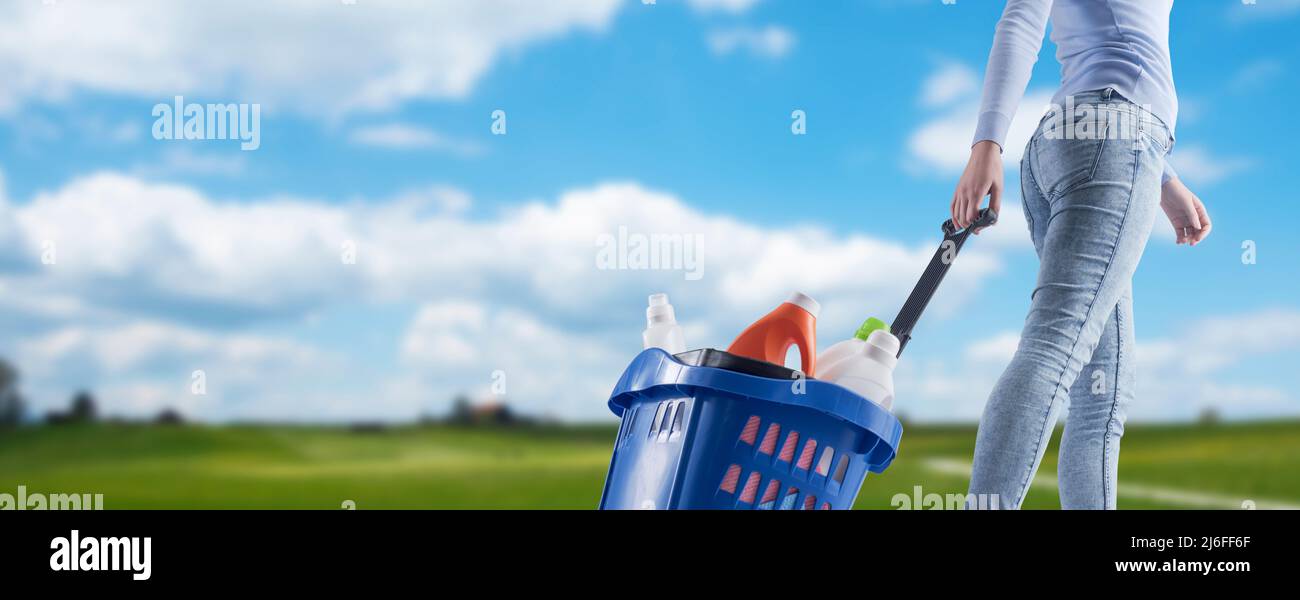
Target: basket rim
{"points": [[654, 368]]}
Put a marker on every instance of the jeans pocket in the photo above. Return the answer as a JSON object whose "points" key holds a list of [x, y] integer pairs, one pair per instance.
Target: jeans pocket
{"points": [[1064, 164]]}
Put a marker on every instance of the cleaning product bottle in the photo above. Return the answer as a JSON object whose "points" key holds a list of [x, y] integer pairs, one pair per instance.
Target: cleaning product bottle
{"points": [[852, 345], [869, 371], [662, 330], [793, 323]]}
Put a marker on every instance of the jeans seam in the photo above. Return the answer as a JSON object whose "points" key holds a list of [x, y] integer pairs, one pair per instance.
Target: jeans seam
{"points": [[1033, 167], [1024, 200], [1029, 471], [1114, 405]]}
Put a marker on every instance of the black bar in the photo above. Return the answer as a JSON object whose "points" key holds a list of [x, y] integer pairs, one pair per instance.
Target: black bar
{"points": [[953, 241], [309, 550]]}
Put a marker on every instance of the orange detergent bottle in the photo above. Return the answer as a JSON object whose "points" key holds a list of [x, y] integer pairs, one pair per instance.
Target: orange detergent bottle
{"points": [[793, 323]]}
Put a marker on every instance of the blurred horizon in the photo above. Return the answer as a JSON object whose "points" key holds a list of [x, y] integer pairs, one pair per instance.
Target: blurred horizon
{"points": [[439, 466]]}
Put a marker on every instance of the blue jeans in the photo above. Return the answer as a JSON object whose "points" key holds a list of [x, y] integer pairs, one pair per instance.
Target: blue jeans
{"points": [[1090, 204]]}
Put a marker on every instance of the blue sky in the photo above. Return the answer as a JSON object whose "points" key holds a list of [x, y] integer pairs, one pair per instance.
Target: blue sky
{"points": [[475, 252]]}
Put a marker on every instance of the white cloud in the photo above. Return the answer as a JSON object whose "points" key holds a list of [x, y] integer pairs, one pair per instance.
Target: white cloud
{"points": [[125, 348], [142, 367], [518, 291], [1178, 376], [997, 350], [1257, 73], [1197, 164], [941, 145], [951, 82], [1201, 367], [1241, 337], [181, 160], [441, 334], [403, 136], [768, 42], [298, 55], [440, 198], [545, 368], [727, 6], [172, 245]]}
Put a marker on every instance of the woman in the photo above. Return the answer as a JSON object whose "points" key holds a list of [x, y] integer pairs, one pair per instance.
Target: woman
{"points": [[1091, 179]]}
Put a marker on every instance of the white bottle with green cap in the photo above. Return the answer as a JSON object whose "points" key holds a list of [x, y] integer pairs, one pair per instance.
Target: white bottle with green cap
{"points": [[864, 364]]}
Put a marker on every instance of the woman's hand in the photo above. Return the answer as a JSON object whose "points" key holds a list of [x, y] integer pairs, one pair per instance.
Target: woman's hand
{"points": [[1185, 211], [982, 177]]}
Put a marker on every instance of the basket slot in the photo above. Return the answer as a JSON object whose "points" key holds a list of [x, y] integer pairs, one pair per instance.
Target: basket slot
{"points": [[750, 433], [678, 421], [674, 408], [824, 464], [791, 495], [730, 480], [769, 495], [626, 426], [841, 469], [809, 502], [787, 449], [658, 420], [769, 439], [751, 488], [806, 457]]}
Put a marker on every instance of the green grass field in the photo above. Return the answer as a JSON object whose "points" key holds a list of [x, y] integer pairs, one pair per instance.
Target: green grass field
{"points": [[564, 467]]}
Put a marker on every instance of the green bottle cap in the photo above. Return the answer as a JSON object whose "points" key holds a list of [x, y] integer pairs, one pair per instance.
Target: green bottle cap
{"points": [[869, 326]]}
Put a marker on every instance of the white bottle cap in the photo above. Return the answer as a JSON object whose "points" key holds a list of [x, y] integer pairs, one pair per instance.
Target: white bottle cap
{"points": [[659, 311], [805, 302], [883, 346]]}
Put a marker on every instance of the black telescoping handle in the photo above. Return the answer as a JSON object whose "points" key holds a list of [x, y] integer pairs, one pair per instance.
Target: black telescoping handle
{"points": [[943, 258]]}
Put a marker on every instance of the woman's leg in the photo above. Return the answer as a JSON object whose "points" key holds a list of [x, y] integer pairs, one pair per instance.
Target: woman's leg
{"points": [[1103, 197], [1099, 399]]}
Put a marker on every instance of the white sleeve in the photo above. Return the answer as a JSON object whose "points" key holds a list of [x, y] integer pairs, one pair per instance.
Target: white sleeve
{"points": [[1016, 43]]}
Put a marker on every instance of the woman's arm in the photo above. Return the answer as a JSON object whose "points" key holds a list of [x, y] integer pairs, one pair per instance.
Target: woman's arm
{"points": [[1016, 42]]}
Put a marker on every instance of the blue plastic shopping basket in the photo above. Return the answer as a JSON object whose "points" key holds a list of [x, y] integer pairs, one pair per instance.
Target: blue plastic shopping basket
{"points": [[703, 437], [706, 437]]}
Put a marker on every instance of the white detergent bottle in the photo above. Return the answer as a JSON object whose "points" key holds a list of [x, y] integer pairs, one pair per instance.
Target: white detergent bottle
{"points": [[869, 372], [852, 345], [662, 330]]}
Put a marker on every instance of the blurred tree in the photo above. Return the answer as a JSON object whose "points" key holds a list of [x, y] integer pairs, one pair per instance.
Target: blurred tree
{"points": [[11, 402], [83, 408], [169, 416], [461, 410]]}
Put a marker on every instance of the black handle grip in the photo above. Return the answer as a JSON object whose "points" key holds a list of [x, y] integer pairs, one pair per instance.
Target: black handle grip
{"points": [[953, 240], [987, 218]]}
